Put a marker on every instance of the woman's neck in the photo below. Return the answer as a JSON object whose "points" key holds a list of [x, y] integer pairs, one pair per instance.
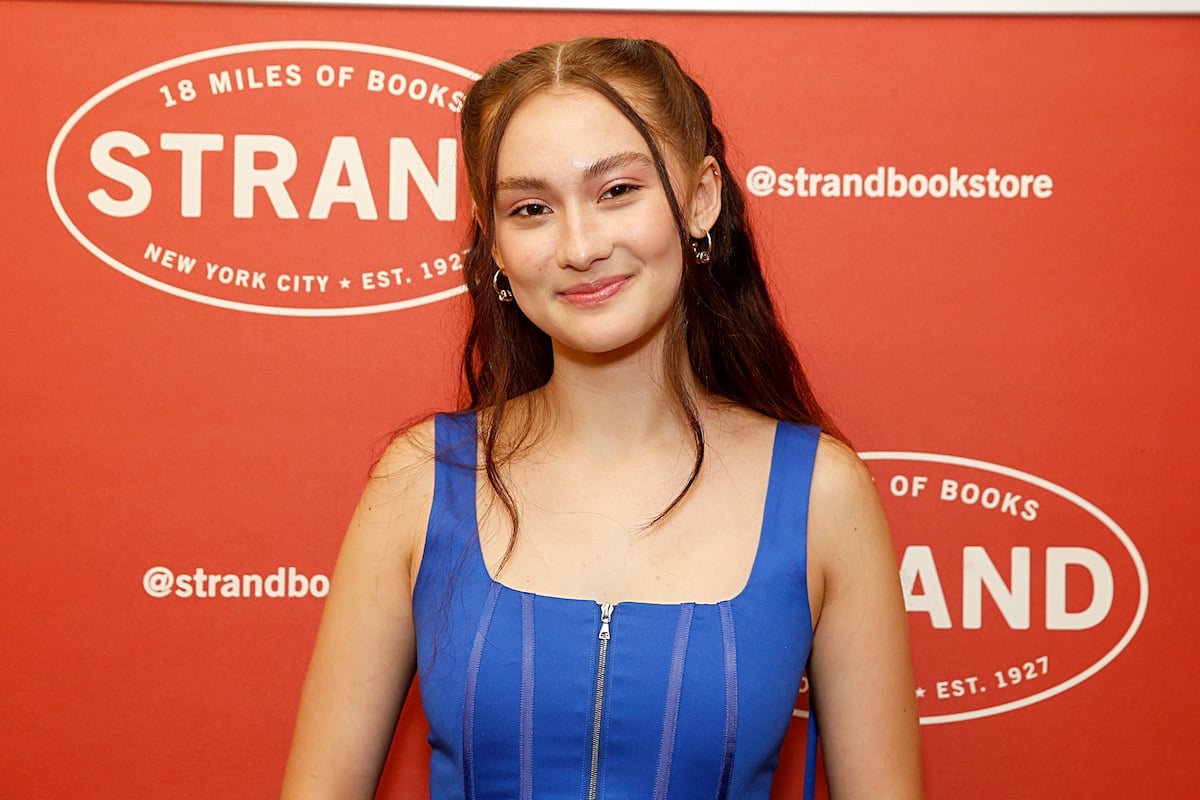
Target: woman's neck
{"points": [[615, 402]]}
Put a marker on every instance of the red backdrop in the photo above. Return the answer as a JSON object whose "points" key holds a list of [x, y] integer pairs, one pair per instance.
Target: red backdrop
{"points": [[231, 236]]}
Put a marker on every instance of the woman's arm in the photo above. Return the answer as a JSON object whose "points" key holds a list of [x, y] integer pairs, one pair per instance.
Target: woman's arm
{"points": [[861, 672], [365, 654]]}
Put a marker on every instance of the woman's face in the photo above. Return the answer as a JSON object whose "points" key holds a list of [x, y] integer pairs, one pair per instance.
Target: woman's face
{"points": [[584, 231]]}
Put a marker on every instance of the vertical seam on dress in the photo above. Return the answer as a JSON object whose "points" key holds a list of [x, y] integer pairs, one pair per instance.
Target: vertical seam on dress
{"points": [[729, 645], [810, 755], [526, 744], [472, 683], [666, 748]]}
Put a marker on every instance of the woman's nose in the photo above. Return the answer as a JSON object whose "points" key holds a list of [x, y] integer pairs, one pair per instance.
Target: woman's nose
{"points": [[583, 239]]}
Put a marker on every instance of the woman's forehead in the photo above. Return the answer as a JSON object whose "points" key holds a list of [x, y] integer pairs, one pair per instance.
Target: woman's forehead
{"points": [[573, 114], [559, 124]]}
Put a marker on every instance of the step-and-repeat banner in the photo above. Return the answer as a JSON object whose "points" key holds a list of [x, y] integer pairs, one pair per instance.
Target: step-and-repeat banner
{"points": [[232, 251]]}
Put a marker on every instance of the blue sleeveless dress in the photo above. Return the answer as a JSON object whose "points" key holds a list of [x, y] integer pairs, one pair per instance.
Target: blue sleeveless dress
{"points": [[532, 697]]}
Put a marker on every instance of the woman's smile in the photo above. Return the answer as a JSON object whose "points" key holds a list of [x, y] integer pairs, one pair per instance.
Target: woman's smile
{"points": [[594, 292]]}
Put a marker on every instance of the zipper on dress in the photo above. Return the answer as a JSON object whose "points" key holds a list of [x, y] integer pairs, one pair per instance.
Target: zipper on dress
{"points": [[606, 611]]}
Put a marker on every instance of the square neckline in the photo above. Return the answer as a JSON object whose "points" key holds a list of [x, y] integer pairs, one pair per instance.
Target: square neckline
{"points": [[755, 566]]}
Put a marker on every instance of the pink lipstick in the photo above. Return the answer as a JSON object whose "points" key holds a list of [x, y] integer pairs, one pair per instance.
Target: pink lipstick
{"points": [[591, 293]]}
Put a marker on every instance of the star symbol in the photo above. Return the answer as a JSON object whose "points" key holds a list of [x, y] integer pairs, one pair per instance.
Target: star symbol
{"points": [[344, 283], [920, 692]]}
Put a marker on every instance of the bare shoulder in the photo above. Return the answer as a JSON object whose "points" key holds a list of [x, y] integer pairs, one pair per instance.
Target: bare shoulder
{"points": [[846, 520], [843, 496], [407, 462], [398, 496]]}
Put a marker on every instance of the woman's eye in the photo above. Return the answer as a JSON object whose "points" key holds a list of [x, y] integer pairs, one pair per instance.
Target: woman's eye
{"points": [[620, 189], [529, 210]]}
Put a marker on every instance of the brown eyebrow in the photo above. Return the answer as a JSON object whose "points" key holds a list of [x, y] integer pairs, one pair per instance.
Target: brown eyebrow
{"points": [[593, 170], [616, 161]]}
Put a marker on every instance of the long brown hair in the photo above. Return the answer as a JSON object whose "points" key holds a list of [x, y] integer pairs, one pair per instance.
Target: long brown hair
{"points": [[727, 325]]}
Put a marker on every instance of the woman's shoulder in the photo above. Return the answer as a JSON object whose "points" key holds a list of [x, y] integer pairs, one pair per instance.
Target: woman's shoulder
{"points": [[847, 526], [844, 501], [389, 523], [399, 491], [839, 468], [409, 454]]}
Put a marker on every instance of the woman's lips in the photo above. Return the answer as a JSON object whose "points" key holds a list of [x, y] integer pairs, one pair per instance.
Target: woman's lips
{"points": [[590, 293]]}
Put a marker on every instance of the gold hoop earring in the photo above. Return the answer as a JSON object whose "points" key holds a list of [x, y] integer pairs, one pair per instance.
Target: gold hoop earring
{"points": [[705, 255], [503, 295]]}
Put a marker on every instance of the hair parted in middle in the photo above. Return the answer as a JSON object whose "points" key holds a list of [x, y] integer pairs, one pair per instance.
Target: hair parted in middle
{"points": [[726, 325]]}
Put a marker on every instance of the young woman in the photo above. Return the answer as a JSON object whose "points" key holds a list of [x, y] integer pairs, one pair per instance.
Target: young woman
{"points": [[613, 568]]}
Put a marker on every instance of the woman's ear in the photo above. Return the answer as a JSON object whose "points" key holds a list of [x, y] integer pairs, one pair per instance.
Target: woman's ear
{"points": [[706, 199]]}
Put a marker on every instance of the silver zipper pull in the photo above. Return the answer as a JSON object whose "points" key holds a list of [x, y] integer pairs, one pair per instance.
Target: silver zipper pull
{"points": [[606, 611]]}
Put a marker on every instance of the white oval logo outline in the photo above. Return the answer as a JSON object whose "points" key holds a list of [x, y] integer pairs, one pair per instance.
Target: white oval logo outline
{"points": [[1068, 495], [202, 55]]}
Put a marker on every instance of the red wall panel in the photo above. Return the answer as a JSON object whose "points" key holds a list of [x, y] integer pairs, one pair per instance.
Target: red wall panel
{"points": [[1039, 349]]}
